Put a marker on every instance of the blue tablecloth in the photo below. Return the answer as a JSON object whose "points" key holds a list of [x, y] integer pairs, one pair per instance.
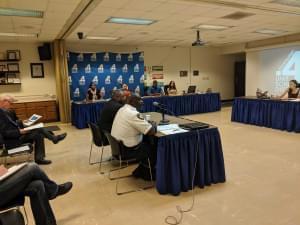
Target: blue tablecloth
{"points": [[276, 114], [176, 156], [179, 105]]}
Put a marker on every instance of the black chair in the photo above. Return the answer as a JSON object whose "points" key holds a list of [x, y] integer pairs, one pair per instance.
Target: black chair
{"points": [[97, 140], [11, 214], [117, 149], [6, 153]]}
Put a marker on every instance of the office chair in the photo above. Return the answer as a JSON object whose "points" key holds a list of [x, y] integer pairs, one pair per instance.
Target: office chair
{"points": [[117, 149], [97, 140], [11, 213]]}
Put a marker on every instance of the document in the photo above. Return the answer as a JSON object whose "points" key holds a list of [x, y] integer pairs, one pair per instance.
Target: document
{"points": [[18, 149], [39, 125], [170, 129], [12, 170], [32, 120]]}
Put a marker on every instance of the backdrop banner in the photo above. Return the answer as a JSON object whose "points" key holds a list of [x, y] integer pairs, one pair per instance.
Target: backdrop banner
{"points": [[107, 70]]}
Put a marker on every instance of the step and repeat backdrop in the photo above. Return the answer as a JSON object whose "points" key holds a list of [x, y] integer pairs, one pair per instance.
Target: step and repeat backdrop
{"points": [[107, 70]]}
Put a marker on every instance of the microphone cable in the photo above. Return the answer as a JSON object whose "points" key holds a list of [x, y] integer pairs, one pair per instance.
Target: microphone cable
{"points": [[173, 220]]}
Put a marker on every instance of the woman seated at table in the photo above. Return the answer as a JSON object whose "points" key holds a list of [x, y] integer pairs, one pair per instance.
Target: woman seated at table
{"points": [[126, 92], [293, 91], [172, 90], [93, 93]]}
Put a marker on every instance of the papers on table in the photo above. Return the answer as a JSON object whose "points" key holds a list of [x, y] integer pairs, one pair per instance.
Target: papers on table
{"points": [[12, 170], [32, 120], [39, 125], [170, 129]]}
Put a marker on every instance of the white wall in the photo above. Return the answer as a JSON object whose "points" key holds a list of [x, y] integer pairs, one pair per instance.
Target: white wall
{"points": [[30, 86], [216, 70]]}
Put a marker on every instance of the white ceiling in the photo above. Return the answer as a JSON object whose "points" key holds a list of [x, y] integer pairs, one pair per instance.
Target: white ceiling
{"points": [[174, 20]]}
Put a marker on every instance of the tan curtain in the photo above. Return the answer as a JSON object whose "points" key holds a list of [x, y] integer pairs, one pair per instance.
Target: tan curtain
{"points": [[62, 81]]}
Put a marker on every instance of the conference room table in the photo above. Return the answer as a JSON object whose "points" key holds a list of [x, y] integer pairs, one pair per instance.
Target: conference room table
{"points": [[272, 113], [85, 112], [176, 155]]}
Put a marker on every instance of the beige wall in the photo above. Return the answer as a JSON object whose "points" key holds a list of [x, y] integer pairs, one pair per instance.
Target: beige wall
{"points": [[216, 70], [30, 86]]}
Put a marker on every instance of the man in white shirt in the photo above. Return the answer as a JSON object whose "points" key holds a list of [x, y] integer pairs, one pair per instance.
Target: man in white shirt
{"points": [[130, 127]]}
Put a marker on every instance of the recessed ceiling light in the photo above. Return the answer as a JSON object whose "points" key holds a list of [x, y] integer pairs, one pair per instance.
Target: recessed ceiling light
{"points": [[269, 31], [211, 27], [101, 38], [295, 3], [17, 35], [131, 21], [21, 12]]}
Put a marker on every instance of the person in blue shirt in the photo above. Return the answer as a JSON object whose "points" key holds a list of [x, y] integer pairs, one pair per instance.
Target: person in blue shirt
{"points": [[155, 90]]}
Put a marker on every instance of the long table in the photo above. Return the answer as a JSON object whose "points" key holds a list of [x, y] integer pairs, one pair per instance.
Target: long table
{"points": [[83, 113], [276, 114], [176, 155]]}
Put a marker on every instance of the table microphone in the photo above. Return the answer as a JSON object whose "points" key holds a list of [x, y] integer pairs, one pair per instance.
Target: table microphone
{"points": [[163, 110]]}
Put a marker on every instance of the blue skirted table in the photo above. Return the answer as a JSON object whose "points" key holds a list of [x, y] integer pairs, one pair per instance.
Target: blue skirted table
{"points": [[176, 155], [83, 113], [276, 114]]}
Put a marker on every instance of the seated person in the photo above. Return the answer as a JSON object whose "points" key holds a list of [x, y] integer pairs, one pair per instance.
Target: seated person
{"points": [[155, 90], [15, 135], [172, 90], [125, 90], [129, 127], [292, 92], [33, 182], [93, 93], [110, 110]]}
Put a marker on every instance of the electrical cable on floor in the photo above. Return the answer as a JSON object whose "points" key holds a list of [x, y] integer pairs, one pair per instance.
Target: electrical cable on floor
{"points": [[173, 220]]}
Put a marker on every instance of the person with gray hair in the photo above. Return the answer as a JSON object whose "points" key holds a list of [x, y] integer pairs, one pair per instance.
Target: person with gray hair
{"points": [[15, 135]]}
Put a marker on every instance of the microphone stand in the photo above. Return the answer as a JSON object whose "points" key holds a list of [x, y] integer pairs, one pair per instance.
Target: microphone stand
{"points": [[163, 121]]}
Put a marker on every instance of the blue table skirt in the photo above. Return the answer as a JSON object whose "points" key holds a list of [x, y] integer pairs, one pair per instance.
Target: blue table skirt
{"points": [[176, 156], [276, 114], [82, 114]]}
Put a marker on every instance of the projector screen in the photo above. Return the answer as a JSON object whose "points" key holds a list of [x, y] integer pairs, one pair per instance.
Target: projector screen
{"points": [[272, 69]]}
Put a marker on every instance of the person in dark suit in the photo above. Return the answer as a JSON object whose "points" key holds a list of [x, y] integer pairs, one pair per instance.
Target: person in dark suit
{"points": [[110, 110], [15, 135], [33, 182]]}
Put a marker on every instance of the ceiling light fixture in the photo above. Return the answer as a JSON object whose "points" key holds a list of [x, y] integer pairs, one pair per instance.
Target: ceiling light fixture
{"points": [[21, 12], [211, 27], [101, 38], [269, 31], [131, 21], [17, 35]]}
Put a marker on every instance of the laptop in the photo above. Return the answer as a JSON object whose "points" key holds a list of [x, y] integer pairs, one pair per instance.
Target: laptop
{"points": [[191, 89], [194, 126]]}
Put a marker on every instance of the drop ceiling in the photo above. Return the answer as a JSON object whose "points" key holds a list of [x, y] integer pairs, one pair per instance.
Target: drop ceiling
{"points": [[175, 18]]}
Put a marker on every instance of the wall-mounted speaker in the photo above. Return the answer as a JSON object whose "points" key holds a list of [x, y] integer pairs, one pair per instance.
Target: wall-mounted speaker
{"points": [[45, 52]]}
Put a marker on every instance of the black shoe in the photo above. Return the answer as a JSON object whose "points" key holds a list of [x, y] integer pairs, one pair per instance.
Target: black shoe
{"points": [[59, 138], [43, 162], [64, 188]]}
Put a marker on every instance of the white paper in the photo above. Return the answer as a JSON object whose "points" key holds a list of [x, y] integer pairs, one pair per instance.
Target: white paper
{"points": [[167, 127], [170, 129], [39, 125], [173, 131], [32, 120], [18, 149], [12, 170]]}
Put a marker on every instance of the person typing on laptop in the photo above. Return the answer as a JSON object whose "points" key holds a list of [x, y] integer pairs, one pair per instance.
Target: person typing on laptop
{"points": [[15, 135]]}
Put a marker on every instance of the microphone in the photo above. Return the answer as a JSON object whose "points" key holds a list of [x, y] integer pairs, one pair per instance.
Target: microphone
{"points": [[163, 110]]}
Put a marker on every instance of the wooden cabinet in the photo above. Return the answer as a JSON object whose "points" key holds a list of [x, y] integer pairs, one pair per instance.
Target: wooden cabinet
{"points": [[47, 109]]}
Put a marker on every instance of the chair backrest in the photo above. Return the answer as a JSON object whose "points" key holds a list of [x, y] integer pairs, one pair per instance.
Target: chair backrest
{"points": [[114, 144], [96, 134]]}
